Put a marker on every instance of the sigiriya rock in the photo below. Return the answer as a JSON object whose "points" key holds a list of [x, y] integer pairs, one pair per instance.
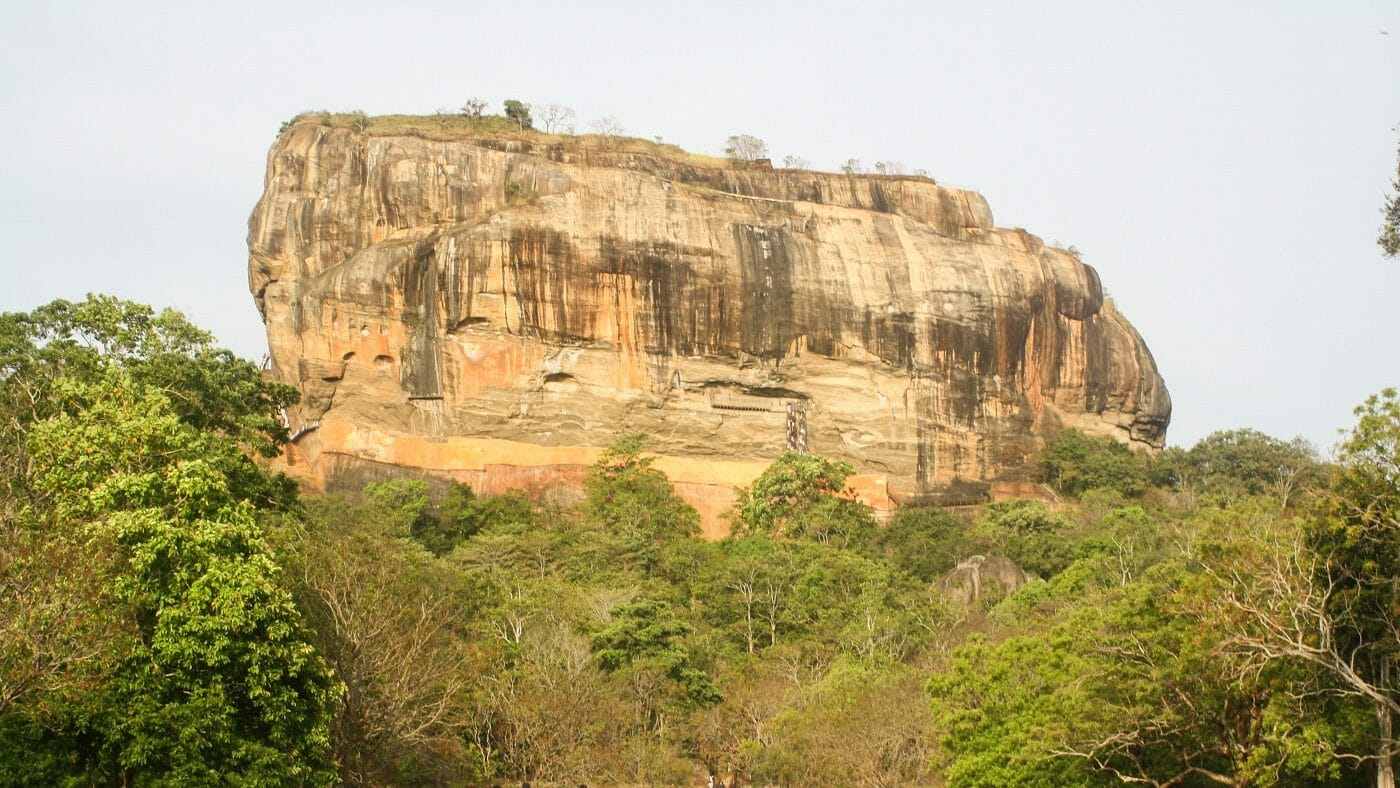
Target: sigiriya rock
{"points": [[496, 308]]}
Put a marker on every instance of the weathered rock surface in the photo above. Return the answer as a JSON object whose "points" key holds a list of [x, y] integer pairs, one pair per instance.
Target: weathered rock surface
{"points": [[496, 310], [980, 575]]}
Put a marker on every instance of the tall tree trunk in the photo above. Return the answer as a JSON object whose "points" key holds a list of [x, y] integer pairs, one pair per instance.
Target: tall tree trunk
{"points": [[1385, 769], [1385, 766]]}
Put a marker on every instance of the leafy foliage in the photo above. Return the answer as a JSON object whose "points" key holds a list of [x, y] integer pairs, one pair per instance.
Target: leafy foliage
{"points": [[218, 675], [1130, 688], [1226, 466], [463, 514], [519, 112], [1355, 589], [644, 636], [405, 500], [1074, 463], [171, 613], [1035, 537], [926, 541], [625, 494], [799, 496], [1003, 708], [207, 387]]}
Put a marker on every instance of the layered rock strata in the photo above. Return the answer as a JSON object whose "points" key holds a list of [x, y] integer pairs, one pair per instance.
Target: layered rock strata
{"points": [[496, 310]]}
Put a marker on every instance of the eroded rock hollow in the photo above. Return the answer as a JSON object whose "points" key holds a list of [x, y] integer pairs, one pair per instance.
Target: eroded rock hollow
{"points": [[496, 310]]}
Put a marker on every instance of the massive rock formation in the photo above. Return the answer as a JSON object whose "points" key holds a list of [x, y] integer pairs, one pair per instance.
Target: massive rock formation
{"points": [[496, 309]]}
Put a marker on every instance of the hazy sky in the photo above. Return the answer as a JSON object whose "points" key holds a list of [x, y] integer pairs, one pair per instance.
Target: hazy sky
{"points": [[1221, 164]]}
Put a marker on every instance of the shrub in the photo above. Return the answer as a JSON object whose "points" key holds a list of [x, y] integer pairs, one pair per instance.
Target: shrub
{"points": [[519, 112]]}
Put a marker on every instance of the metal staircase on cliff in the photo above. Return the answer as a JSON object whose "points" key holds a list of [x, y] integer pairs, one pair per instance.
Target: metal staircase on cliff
{"points": [[797, 427], [796, 410]]}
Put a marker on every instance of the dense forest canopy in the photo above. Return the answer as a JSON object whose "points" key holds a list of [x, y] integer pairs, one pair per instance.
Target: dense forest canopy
{"points": [[171, 612]]}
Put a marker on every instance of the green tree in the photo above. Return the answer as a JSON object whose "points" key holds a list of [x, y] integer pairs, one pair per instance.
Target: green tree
{"points": [[1228, 465], [645, 636], [460, 516], [925, 541], [211, 671], [624, 494], [800, 495], [407, 505], [1128, 686], [59, 639], [519, 112], [1074, 463], [1359, 572], [406, 501], [1004, 708], [1039, 539], [464, 515], [206, 387], [751, 593], [220, 648], [841, 601], [1280, 608]]}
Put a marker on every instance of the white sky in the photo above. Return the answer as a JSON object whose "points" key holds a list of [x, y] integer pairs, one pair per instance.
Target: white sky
{"points": [[1221, 164]]}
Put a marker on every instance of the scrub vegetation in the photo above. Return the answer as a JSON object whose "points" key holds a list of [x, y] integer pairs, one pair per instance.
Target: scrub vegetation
{"points": [[516, 124], [171, 612], [555, 126]]}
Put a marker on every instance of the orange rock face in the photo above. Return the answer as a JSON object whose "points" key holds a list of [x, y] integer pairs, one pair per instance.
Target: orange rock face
{"points": [[496, 311]]}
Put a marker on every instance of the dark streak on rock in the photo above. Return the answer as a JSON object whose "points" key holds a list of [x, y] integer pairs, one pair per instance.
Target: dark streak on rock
{"points": [[924, 432], [553, 302], [766, 326], [877, 197], [1098, 360], [682, 315], [462, 279], [418, 372]]}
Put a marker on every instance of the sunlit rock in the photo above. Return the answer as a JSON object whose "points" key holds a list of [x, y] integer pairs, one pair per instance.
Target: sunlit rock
{"points": [[496, 310]]}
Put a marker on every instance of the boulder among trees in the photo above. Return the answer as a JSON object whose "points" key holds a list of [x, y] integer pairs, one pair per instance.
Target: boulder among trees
{"points": [[979, 576]]}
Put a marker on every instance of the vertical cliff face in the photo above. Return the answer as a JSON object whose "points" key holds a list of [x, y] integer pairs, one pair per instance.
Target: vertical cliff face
{"points": [[496, 310]]}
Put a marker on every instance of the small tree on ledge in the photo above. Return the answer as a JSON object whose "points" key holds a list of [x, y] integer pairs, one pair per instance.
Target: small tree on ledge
{"points": [[519, 112], [474, 108], [744, 149]]}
